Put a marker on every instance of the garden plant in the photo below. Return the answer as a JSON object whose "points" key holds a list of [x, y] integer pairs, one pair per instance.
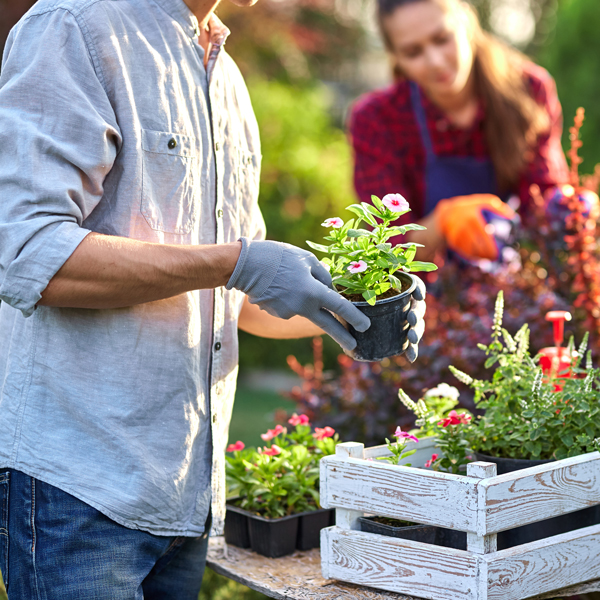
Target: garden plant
{"points": [[362, 263], [281, 478]]}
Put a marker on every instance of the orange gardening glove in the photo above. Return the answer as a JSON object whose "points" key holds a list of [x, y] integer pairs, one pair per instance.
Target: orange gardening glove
{"points": [[473, 226]]}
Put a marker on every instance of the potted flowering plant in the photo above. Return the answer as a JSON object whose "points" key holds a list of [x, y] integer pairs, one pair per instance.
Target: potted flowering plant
{"points": [[374, 274], [275, 508], [531, 417]]}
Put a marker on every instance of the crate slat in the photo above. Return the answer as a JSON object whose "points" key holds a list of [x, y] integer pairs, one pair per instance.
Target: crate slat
{"points": [[398, 565], [400, 492], [541, 492], [544, 566]]}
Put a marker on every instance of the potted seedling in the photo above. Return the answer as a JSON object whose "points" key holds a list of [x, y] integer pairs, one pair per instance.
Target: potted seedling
{"points": [[274, 490], [534, 414], [373, 273]]}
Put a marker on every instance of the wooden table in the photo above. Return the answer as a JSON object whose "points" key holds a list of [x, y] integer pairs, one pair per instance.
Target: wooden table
{"points": [[298, 576]]}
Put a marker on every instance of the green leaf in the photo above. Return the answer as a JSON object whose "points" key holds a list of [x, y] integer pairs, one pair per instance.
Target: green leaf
{"points": [[356, 233], [378, 203], [370, 296], [417, 266], [365, 215], [319, 247]]}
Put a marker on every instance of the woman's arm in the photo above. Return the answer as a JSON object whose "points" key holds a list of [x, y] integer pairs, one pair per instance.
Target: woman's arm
{"points": [[260, 323]]}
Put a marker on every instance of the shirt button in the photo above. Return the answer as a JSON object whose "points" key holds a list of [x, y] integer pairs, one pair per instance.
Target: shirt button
{"points": [[220, 213], [172, 143], [217, 146], [214, 418], [218, 346]]}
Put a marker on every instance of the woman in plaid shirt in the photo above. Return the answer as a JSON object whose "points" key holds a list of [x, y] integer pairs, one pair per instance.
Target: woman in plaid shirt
{"points": [[467, 122]]}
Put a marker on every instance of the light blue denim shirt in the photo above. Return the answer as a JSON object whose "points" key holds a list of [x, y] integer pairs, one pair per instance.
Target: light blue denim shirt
{"points": [[110, 123]]}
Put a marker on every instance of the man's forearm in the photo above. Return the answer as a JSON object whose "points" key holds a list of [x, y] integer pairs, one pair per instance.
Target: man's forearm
{"points": [[260, 323], [115, 272]]}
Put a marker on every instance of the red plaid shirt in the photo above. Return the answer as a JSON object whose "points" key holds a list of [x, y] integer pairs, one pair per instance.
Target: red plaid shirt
{"points": [[390, 157]]}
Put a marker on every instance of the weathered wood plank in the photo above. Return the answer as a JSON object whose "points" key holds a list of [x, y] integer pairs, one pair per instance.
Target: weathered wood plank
{"points": [[398, 492], [481, 544], [398, 565], [544, 566], [293, 577], [345, 518], [541, 492]]}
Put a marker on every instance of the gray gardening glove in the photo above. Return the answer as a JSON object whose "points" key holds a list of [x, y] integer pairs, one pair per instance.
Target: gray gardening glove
{"points": [[415, 318], [285, 281]]}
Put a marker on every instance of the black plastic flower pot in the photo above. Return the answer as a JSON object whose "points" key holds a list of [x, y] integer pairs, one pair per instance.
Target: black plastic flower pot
{"points": [[451, 538], [388, 333], [236, 526], [273, 537], [541, 529], [310, 525], [415, 533]]}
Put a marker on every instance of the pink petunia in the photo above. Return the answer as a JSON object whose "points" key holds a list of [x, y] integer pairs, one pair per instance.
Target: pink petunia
{"points": [[357, 266], [433, 458], [403, 434], [395, 202], [274, 450], [273, 433], [334, 222], [322, 433], [236, 447], [298, 420]]}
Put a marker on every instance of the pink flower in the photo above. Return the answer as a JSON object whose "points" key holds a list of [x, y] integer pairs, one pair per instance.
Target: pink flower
{"points": [[335, 222], [235, 447], [455, 419], [274, 450], [403, 434], [322, 433], [358, 266], [395, 202], [431, 460], [298, 420], [273, 433]]}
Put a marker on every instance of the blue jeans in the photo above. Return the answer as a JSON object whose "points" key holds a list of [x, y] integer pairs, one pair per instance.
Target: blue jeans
{"points": [[55, 547]]}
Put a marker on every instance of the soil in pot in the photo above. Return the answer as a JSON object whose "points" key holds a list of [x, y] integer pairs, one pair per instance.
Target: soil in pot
{"points": [[273, 537], [310, 525], [541, 529], [388, 333]]}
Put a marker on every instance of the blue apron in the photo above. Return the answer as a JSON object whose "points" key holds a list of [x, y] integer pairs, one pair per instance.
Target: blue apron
{"points": [[449, 176]]}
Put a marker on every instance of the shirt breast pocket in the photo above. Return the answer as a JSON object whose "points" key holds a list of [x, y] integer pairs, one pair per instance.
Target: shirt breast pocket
{"points": [[172, 181]]}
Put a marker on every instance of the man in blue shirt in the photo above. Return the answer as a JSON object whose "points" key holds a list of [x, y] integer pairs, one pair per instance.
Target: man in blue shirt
{"points": [[131, 250]]}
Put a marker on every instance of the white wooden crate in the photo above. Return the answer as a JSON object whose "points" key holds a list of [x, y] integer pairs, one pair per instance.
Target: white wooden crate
{"points": [[480, 503]]}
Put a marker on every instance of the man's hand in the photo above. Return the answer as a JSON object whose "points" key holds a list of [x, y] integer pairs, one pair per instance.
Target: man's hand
{"points": [[473, 225], [286, 281], [415, 318]]}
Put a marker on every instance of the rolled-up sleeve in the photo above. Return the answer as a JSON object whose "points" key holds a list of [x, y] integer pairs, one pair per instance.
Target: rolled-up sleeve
{"points": [[58, 141]]}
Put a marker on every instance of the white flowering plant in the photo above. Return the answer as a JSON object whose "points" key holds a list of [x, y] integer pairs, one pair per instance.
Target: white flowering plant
{"points": [[361, 261]]}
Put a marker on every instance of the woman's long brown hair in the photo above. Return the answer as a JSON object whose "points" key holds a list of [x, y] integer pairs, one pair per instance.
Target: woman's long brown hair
{"points": [[513, 119]]}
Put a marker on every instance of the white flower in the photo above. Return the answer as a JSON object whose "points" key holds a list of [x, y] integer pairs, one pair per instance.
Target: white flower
{"points": [[357, 266], [335, 222], [443, 390], [395, 202]]}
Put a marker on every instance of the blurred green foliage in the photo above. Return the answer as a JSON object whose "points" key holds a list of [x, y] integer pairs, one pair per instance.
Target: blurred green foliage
{"points": [[306, 177], [572, 56], [217, 587]]}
